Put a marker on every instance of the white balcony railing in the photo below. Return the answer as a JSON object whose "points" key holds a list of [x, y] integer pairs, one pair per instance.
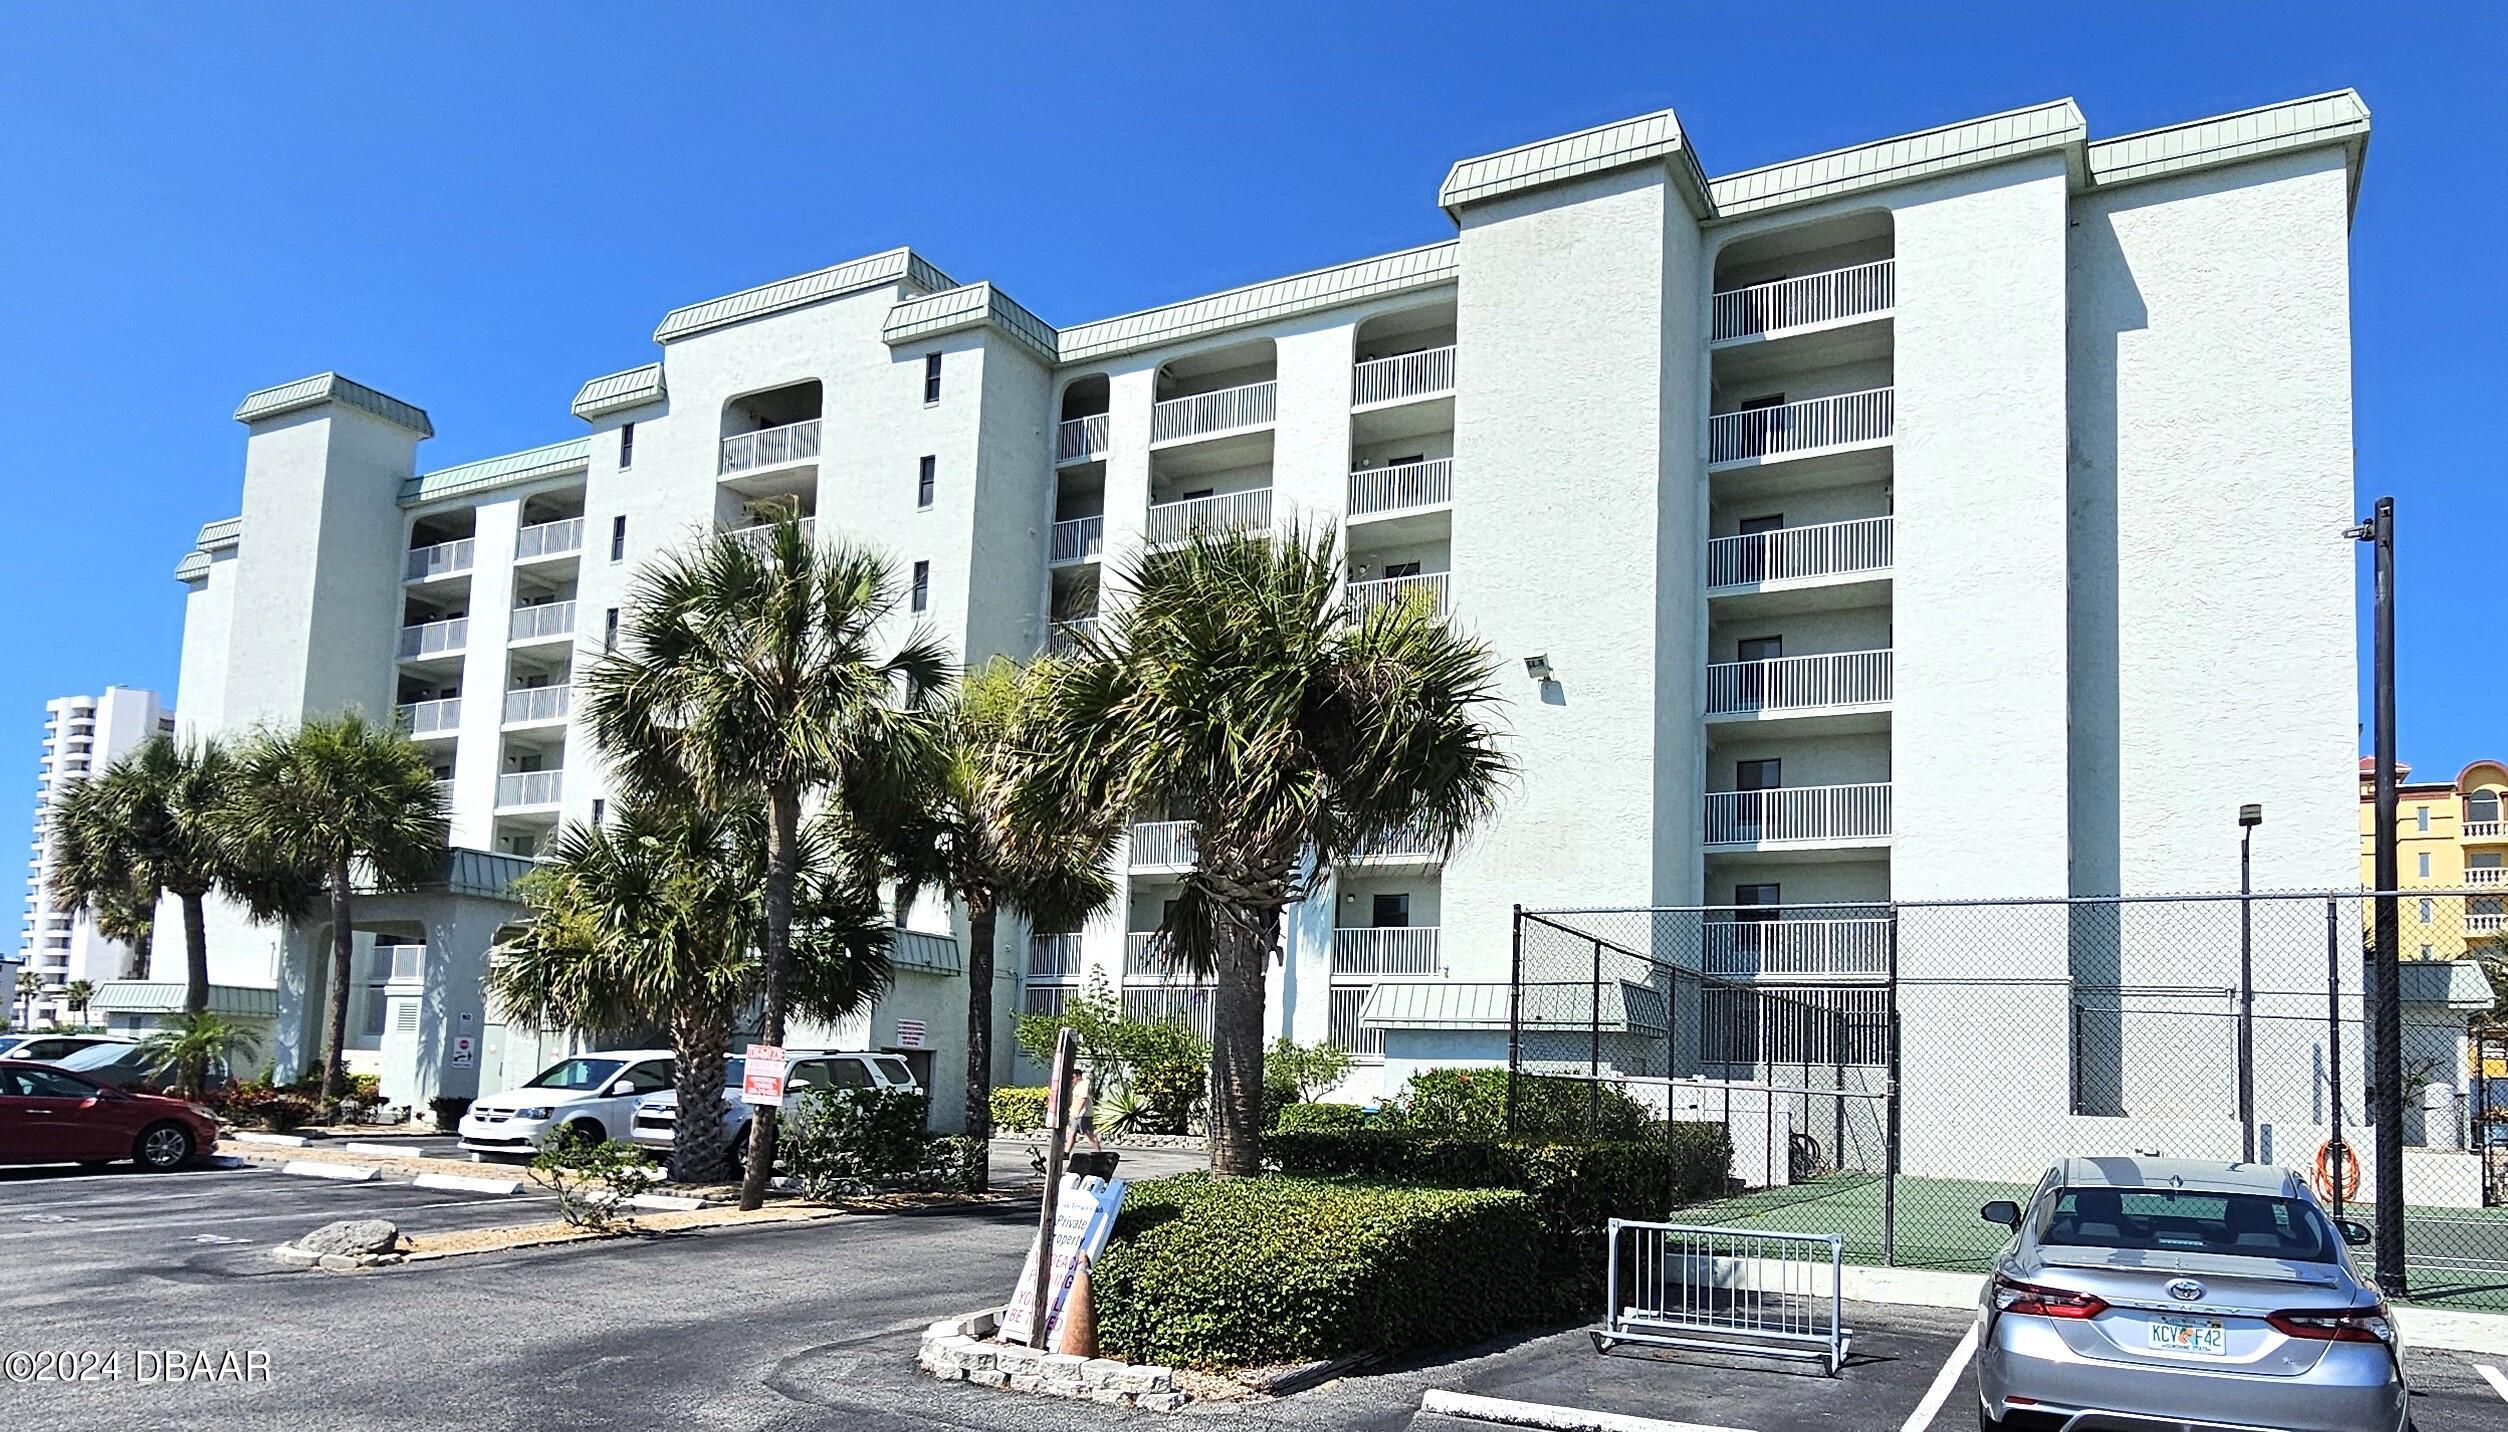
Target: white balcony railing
{"points": [[1408, 843], [759, 535], [1743, 948], [1342, 1007], [1798, 683], [2484, 829], [1770, 310], [518, 789], [1185, 1004], [1796, 429], [1250, 406], [1404, 375], [430, 718], [444, 559], [1064, 637], [545, 620], [538, 703], [2485, 875], [549, 539], [1828, 549], [1080, 439], [768, 447], [2484, 922], [1146, 957], [1229, 511], [1428, 587], [1054, 957], [1162, 843], [1405, 485], [1798, 813], [1079, 539], [1385, 950], [435, 638]]}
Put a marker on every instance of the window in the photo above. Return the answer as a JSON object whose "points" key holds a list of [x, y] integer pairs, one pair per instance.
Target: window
{"points": [[376, 1003], [931, 377], [922, 586], [651, 1077], [2481, 806], [1390, 911], [600, 807], [1402, 569], [2425, 865], [626, 444], [2170, 1221], [609, 630], [924, 483], [618, 537], [2429, 909], [2421, 818], [1767, 775]]}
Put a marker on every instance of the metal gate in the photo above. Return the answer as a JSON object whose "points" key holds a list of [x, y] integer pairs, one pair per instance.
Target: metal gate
{"points": [[1725, 1290], [2490, 1111]]}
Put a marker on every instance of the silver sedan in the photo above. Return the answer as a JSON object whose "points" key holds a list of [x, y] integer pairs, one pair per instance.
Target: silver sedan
{"points": [[2177, 1294]]}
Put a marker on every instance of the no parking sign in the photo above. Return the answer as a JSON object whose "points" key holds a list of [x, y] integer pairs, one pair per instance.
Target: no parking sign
{"points": [[762, 1070]]}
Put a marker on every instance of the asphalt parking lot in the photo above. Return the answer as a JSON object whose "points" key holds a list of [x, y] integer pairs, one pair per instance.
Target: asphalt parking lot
{"points": [[1009, 1156], [773, 1327]]}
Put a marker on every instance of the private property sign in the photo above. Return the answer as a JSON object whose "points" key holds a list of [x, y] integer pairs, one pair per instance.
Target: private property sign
{"points": [[762, 1070]]}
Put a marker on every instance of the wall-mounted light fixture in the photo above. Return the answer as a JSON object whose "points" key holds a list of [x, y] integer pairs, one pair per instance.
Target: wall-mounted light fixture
{"points": [[1537, 667]]}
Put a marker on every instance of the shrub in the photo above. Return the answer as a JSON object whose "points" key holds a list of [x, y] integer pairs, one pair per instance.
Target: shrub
{"points": [[842, 1142], [1019, 1108], [1160, 1065], [1235, 1272], [1474, 1102], [260, 1106], [955, 1163], [1309, 1118], [592, 1180], [1305, 1072], [448, 1113]]}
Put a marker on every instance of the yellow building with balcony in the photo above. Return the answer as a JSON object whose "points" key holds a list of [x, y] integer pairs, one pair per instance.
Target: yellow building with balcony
{"points": [[2450, 836]]}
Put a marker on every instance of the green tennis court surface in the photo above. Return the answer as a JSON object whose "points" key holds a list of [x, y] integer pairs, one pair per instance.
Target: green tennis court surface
{"points": [[2458, 1257]]}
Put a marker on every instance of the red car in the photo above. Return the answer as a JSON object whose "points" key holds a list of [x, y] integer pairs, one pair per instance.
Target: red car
{"points": [[50, 1116]]}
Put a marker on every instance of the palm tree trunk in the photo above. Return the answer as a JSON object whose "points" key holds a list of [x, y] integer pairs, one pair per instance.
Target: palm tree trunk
{"points": [[699, 1153], [981, 922], [195, 953], [343, 950], [783, 826], [1236, 1046]]}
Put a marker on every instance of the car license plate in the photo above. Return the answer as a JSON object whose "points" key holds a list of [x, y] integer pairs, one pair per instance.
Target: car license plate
{"points": [[2201, 1337]]}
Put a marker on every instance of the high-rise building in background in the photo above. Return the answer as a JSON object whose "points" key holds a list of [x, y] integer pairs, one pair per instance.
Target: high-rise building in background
{"points": [[60, 944]]}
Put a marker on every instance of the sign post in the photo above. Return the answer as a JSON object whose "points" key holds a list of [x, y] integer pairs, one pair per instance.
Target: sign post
{"points": [[762, 1071], [1057, 1113]]}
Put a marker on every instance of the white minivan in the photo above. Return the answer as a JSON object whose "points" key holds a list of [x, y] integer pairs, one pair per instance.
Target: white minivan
{"points": [[592, 1096], [658, 1120]]}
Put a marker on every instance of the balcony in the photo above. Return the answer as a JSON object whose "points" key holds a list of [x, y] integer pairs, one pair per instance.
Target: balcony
{"points": [[444, 559], [2484, 922], [422, 719], [1080, 439], [2485, 875], [1064, 637], [528, 790], [1145, 958], [1163, 845], [562, 538], [1342, 1008], [1799, 683], [1811, 301], [1744, 948], [1408, 846], [543, 622], [761, 535], [1202, 415], [1081, 539], [1385, 950], [2485, 829], [1175, 522], [1798, 815], [1427, 588], [1054, 957], [1804, 429], [1428, 373], [1858, 547], [1378, 490], [770, 447], [434, 638], [1188, 1005], [529, 704]]}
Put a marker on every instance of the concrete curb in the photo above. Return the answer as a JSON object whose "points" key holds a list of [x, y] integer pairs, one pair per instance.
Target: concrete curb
{"points": [[345, 1173], [667, 1203], [285, 1141], [463, 1183], [1556, 1419], [388, 1151]]}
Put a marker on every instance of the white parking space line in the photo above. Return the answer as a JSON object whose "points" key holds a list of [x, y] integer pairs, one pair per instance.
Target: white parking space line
{"points": [[1508, 1412], [1943, 1382], [2491, 1375]]}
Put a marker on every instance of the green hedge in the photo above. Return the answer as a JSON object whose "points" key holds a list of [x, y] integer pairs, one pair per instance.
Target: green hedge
{"points": [[1244, 1272], [1474, 1102], [1309, 1118], [1019, 1109]]}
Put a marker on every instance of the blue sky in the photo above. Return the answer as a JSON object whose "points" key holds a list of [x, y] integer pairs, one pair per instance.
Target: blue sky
{"points": [[476, 207]]}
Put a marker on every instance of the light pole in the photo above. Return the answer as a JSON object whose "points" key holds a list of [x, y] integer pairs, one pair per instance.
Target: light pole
{"points": [[2250, 816], [2386, 1010]]}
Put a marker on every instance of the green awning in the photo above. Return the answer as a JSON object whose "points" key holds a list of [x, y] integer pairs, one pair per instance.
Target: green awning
{"points": [[166, 997]]}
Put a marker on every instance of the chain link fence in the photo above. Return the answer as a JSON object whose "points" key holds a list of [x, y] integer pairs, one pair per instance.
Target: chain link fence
{"points": [[1882, 1070]]}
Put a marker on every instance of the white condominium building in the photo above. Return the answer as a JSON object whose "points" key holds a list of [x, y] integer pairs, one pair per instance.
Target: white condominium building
{"points": [[82, 736], [1957, 514]]}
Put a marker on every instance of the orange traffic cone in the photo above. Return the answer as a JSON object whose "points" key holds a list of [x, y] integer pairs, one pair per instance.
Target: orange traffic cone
{"points": [[1077, 1332]]}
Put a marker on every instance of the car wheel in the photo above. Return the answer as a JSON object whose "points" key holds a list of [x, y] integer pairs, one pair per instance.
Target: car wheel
{"points": [[163, 1146]]}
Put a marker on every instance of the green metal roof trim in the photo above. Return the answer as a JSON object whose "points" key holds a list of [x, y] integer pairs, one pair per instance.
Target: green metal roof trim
{"points": [[1645, 139], [974, 306], [2056, 126], [323, 388], [2338, 118], [1425, 267], [193, 567], [166, 997], [925, 953], [2457, 984], [899, 265], [1444, 1004], [526, 466], [617, 392], [480, 873]]}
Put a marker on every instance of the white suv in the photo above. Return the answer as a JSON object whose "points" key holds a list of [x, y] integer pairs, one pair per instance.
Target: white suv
{"points": [[658, 1120], [592, 1096]]}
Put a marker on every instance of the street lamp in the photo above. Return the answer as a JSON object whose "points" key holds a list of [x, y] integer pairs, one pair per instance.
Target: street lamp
{"points": [[2250, 816]]}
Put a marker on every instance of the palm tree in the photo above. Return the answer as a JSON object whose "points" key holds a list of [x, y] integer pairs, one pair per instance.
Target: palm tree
{"points": [[658, 917], [79, 992], [194, 1043], [1238, 687], [338, 802], [973, 838], [753, 671], [29, 985]]}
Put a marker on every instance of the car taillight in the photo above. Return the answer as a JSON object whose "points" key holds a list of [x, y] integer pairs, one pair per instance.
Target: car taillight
{"points": [[2014, 1296], [2368, 1325]]}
